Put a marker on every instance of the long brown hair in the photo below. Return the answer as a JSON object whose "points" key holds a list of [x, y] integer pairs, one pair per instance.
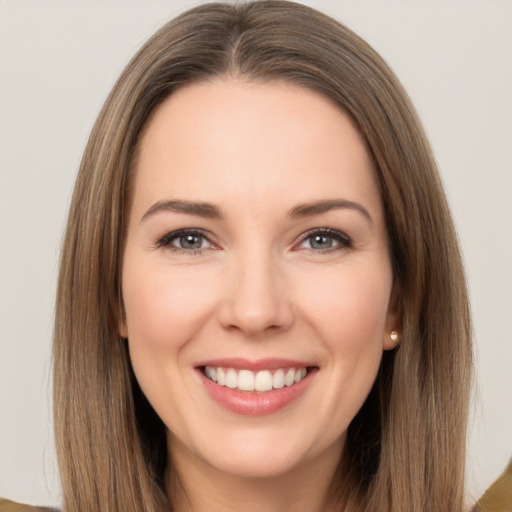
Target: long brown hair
{"points": [[405, 449]]}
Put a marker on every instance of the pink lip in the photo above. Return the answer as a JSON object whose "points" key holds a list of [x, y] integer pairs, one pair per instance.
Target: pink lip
{"points": [[260, 364], [255, 403]]}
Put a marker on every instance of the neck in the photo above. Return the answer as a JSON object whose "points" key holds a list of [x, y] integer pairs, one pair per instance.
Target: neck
{"points": [[195, 486]]}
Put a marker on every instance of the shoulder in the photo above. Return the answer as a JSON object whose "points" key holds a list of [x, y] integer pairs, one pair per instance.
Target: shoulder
{"points": [[11, 506], [498, 498]]}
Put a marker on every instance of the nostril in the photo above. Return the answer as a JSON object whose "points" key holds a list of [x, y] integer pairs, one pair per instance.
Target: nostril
{"points": [[254, 316]]}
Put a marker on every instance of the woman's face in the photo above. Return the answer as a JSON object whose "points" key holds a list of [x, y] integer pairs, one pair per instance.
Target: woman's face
{"points": [[256, 256]]}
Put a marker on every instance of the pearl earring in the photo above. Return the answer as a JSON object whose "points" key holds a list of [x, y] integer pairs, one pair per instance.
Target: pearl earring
{"points": [[394, 336]]}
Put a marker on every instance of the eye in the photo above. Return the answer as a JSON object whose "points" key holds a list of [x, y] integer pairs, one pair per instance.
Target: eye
{"points": [[325, 240], [185, 240]]}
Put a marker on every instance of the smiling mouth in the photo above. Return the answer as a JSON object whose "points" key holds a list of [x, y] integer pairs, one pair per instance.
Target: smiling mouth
{"points": [[261, 381]]}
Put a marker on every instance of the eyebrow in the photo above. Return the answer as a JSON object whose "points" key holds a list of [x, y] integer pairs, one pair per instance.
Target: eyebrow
{"points": [[211, 211], [319, 207], [199, 209]]}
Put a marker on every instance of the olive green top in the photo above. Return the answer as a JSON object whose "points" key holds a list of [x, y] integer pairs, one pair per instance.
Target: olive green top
{"points": [[10, 506], [498, 498]]}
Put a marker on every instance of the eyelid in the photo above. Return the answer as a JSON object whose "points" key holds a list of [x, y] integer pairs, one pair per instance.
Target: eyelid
{"points": [[164, 241], [342, 238]]}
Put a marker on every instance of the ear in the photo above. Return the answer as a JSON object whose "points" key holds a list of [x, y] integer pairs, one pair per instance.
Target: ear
{"points": [[122, 327], [393, 329], [120, 317]]}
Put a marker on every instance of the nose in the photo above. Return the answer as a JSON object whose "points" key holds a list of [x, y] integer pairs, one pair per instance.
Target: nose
{"points": [[257, 301]]}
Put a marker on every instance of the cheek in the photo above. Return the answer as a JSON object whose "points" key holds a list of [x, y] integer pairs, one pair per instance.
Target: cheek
{"points": [[164, 309], [163, 306], [350, 307], [153, 317], [350, 318]]}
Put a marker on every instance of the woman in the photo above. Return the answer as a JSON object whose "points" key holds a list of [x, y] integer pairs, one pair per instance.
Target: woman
{"points": [[127, 427]]}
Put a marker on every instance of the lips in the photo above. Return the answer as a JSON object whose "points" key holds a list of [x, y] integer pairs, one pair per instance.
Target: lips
{"points": [[256, 388]]}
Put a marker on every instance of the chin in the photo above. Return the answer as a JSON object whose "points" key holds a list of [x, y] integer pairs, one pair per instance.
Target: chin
{"points": [[260, 453], [262, 465]]}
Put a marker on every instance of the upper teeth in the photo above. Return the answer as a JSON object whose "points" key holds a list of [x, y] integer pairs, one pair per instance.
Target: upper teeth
{"points": [[263, 380]]}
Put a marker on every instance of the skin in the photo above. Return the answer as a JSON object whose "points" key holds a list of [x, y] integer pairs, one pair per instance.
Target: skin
{"points": [[258, 286]]}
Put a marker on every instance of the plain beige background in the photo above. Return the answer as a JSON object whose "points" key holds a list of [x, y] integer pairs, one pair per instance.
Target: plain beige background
{"points": [[58, 60]]}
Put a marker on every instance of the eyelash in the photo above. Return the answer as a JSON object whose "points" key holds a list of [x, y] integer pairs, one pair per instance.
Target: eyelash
{"points": [[343, 241], [166, 241]]}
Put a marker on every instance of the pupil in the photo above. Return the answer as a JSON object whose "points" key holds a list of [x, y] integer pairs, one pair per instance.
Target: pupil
{"points": [[190, 241], [321, 242]]}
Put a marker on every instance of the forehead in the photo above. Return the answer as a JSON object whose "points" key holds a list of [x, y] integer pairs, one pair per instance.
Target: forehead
{"points": [[235, 139]]}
